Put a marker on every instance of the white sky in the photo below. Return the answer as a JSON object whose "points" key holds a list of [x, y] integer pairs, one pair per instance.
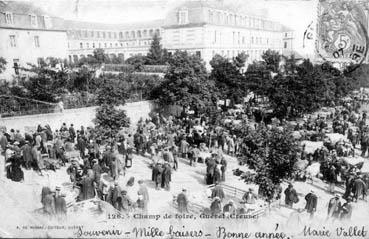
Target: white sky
{"points": [[295, 14]]}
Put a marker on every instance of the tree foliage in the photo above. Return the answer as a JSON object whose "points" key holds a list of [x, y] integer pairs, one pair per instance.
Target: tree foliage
{"points": [[157, 55], [112, 92], [228, 78], [186, 83], [2, 64], [272, 153], [109, 120]]}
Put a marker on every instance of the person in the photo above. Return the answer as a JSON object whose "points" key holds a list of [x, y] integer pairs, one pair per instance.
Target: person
{"points": [[217, 175], [216, 206], [182, 201], [334, 207], [48, 201], [346, 210], [291, 196], [167, 177], [72, 133], [124, 202], [87, 186], [359, 188], [311, 203], [141, 205], [144, 192], [230, 208], [3, 142], [223, 162], [195, 153], [60, 206], [114, 194], [14, 171], [218, 192], [249, 197], [184, 148]]}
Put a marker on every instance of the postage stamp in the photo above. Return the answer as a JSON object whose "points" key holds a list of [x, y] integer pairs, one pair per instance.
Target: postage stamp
{"points": [[341, 32]]}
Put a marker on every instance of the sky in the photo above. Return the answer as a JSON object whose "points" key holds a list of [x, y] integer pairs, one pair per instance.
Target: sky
{"points": [[295, 14]]}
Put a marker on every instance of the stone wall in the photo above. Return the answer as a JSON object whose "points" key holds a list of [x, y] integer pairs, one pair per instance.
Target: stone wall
{"points": [[78, 117]]}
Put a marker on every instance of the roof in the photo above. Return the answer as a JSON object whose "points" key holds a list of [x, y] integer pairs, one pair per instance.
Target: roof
{"points": [[73, 25], [20, 7]]}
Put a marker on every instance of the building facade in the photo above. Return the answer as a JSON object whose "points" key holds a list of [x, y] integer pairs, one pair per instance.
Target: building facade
{"points": [[203, 28], [121, 41], [208, 29], [25, 36]]}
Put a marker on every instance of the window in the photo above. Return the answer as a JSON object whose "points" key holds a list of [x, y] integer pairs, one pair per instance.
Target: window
{"points": [[47, 22], [211, 16], [98, 34], [286, 34], [105, 45], [215, 36], [109, 34], [183, 16], [37, 41], [111, 45], [115, 35], [81, 45], [13, 42], [33, 20], [104, 35], [285, 44], [151, 32], [93, 45], [120, 35], [9, 18], [92, 33], [87, 45], [99, 44]]}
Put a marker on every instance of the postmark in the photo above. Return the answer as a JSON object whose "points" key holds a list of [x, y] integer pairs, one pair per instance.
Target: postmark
{"points": [[339, 34]]}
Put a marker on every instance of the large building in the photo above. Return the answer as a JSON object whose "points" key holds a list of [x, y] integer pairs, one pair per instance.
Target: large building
{"points": [[28, 34], [203, 28], [206, 29]]}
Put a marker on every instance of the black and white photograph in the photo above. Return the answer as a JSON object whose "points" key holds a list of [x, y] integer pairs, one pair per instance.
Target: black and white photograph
{"points": [[181, 119]]}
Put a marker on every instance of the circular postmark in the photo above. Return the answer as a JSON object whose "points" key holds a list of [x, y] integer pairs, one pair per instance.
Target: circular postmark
{"points": [[341, 34]]}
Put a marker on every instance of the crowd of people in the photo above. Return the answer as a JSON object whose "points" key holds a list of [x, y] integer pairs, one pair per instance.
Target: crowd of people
{"points": [[95, 164]]}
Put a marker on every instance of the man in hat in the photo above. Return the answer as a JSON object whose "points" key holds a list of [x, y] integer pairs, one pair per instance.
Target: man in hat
{"points": [[218, 192], [311, 203], [223, 162], [182, 201], [359, 188], [27, 155], [113, 195], [124, 202], [249, 197], [291, 196], [72, 133], [216, 206], [334, 207], [230, 208], [167, 177], [144, 192]]}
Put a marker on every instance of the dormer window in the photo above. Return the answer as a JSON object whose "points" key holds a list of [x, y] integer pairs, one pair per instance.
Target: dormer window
{"points": [[9, 18], [183, 16], [33, 19]]}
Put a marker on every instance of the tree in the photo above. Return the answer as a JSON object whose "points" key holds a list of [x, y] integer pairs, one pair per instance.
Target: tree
{"points": [[109, 117], [2, 64], [100, 56], [112, 92], [272, 153], [157, 55], [109, 120], [228, 78], [137, 61], [272, 59], [186, 84]]}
